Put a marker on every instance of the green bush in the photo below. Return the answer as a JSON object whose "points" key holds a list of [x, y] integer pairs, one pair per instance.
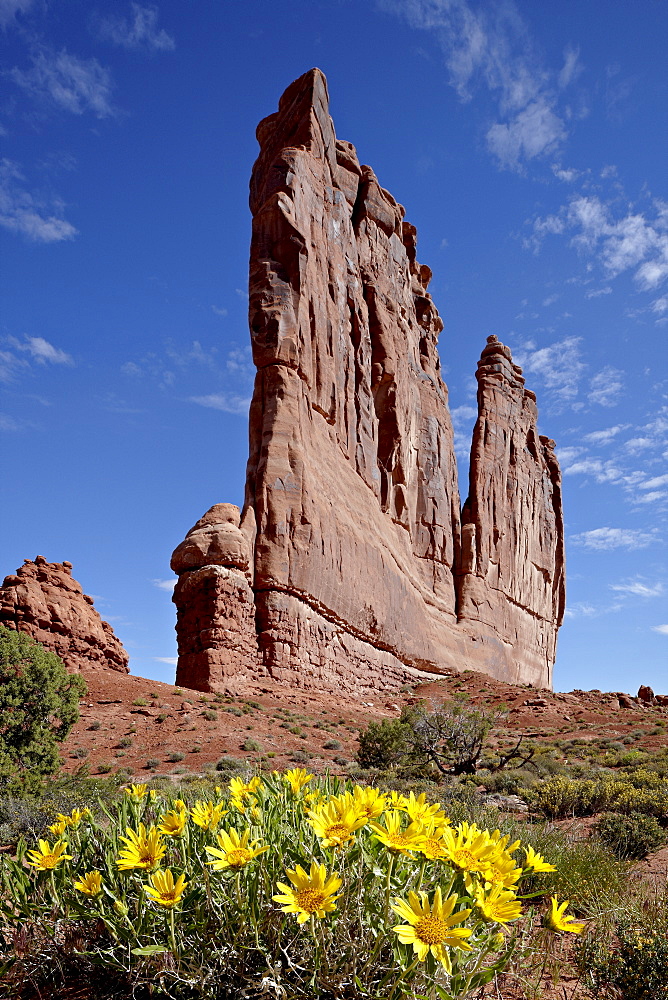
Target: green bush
{"points": [[250, 744], [382, 744], [628, 961], [632, 836], [641, 791], [39, 704]]}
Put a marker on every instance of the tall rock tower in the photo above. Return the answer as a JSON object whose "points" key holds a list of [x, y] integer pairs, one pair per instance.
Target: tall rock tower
{"points": [[351, 521]]}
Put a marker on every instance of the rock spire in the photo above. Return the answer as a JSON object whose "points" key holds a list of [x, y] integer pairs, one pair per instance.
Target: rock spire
{"points": [[357, 565]]}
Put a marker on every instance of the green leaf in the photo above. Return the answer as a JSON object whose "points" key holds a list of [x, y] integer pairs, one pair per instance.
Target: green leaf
{"points": [[150, 949]]}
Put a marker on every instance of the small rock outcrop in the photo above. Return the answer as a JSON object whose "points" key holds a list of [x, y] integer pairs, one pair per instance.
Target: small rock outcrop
{"points": [[43, 600], [215, 623], [360, 567]]}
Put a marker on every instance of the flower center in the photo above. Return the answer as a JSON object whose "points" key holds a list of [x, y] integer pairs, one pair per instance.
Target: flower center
{"points": [[464, 859], [310, 900], [49, 861], [238, 858], [338, 830], [434, 847], [147, 859], [431, 930]]}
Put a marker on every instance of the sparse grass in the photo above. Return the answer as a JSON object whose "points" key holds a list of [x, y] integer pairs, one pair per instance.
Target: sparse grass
{"points": [[140, 702]]}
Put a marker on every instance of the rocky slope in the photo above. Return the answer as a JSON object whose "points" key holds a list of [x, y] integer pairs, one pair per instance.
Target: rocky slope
{"points": [[43, 600]]}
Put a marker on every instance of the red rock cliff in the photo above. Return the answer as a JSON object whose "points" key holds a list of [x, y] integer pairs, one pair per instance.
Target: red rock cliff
{"points": [[352, 512], [43, 600]]}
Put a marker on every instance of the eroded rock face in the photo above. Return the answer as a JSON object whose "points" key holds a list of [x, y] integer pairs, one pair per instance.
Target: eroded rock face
{"points": [[215, 621], [43, 600], [512, 582], [352, 512]]}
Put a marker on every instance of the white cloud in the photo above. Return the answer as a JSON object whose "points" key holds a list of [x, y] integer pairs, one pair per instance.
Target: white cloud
{"points": [[225, 401], [138, 31], [219, 311], [23, 213], [534, 131], [490, 47], [42, 351], [651, 497], [595, 293], [75, 85], [603, 472], [568, 454], [566, 174], [606, 387], [636, 444], [605, 539], [660, 306], [662, 629], [654, 483], [635, 588], [8, 423], [550, 300], [580, 610], [571, 68], [559, 366], [606, 435], [165, 584], [635, 241], [10, 8], [171, 660]]}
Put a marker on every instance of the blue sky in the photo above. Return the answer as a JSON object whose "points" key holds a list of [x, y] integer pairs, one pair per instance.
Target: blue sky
{"points": [[528, 143]]}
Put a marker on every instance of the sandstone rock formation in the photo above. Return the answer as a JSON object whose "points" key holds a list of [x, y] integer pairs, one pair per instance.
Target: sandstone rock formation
{"points": [[43, 600], [356, 570]]}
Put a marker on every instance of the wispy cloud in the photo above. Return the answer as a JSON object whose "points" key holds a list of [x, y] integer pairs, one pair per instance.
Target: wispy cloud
{"points": [[165, 584], [636, 588], [603, 472], [72, 84], [559, 366], [606, 435], [634, 241], [139, 31], [42, 351], [28, 215], [605, 539], [490, 47], [661, 629], [10, 8], [226, 401], [606, 387], [171, 660]]}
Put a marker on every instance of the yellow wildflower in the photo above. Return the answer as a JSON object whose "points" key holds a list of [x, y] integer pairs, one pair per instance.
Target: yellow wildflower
{"points": [[498, 905], [335, 825], [240, 789], [207, 815], [47, 858], [431, 927], [173, 823], [236, 851], [89, 884], [502, 871], [74, 819], [144, 849], [297, 778], [419, 811], [431, 842], [369, 802], [309, 895], [537, 862], [136, 792], [558, 920], [58, 828], [395, 800], [394, 837], [241, 805], [164, 891], [469, 848]]}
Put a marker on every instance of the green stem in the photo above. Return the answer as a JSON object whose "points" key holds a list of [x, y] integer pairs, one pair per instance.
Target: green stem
{"points": [[402, 978], [421, 875], [386, 908], [172, 935]]}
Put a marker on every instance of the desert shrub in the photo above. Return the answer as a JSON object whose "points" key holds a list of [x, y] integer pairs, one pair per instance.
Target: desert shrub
{"points": [[210, 714], [331, 745], [95, 725], [175, 757], [632, 836], [152, 763], [125, 742], [642, 791], [383, 744], [80, 753], [227, 763], [104, 767], [140, 702], [232, 710], [251, 745], [588, 874], [39, 704], [627, 960]]}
